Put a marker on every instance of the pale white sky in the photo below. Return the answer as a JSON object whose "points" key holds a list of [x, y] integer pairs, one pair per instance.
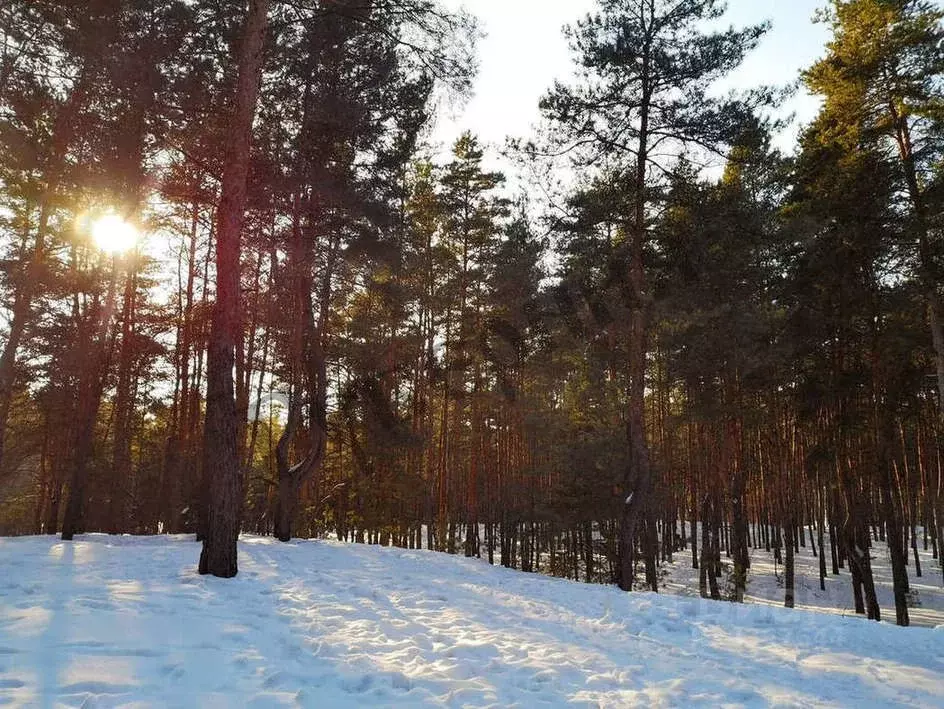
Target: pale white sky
{"points": [[525, 51]]}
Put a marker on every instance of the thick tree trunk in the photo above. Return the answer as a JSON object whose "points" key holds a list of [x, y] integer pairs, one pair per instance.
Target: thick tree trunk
{"points": [[857, 600], [285, 508], [860, 561], [221, 456]]}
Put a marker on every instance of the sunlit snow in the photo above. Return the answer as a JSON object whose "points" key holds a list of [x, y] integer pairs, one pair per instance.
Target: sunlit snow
{"points": [[115, 621]]}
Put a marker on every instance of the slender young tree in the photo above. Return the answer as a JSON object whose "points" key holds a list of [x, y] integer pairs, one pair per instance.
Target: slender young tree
{"points": [[470, 232]]}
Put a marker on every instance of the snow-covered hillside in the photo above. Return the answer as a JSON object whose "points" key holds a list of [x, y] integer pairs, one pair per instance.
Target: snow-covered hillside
{"points": [[114, 621], [765, 583]]}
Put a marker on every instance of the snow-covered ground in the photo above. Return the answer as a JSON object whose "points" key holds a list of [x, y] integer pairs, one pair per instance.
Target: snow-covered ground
{"points": [[118, 621], [765, 583]]}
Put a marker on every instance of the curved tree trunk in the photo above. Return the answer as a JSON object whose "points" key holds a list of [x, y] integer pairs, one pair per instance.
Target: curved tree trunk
{"points": [[308, 372]]}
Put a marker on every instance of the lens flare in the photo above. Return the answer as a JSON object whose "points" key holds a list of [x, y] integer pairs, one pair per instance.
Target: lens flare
{"points": [[113, 234]]}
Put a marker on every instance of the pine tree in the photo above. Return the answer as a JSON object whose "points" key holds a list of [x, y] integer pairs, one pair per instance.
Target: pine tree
{"points": [[470, 232], [881, 81], [717, 314], [882, 84], [220, 449], [646, 69]]}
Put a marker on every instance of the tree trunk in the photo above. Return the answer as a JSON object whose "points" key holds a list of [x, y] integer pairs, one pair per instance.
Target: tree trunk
{"points": [[221, 458], [789, 599], [638, 478], [124, 410], [91, 381], [308, 372]]}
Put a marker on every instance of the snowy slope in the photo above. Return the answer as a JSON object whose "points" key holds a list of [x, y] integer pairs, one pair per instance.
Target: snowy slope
{"points": [[114, 621], [765, 583]]}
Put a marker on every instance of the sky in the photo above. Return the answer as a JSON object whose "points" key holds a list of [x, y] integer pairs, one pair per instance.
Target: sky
{"points": [[524, 51]]}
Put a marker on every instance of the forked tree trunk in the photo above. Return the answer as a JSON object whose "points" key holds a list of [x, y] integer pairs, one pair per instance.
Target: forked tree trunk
{"points": [[309, 373], [860, 560], [893, 528]]}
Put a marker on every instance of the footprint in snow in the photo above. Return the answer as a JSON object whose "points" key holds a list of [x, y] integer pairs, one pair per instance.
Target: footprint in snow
{"points": [[358, 685], [173, 670]]}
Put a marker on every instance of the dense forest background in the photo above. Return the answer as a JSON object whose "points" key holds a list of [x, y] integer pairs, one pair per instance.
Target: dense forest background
{"points": [[330, 327]]}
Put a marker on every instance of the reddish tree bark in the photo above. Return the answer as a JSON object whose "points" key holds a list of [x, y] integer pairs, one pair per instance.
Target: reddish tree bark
{"points": [[220, 450]]}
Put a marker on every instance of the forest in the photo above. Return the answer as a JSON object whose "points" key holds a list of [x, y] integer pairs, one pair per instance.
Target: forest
{"points": [[242, 290]]}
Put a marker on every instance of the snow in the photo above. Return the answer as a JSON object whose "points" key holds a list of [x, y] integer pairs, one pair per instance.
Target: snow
{"points": [[123, 621], [765, 583]]}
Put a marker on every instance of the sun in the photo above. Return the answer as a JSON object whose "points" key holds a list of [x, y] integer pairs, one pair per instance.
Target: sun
{"points": [[113, 234]]}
